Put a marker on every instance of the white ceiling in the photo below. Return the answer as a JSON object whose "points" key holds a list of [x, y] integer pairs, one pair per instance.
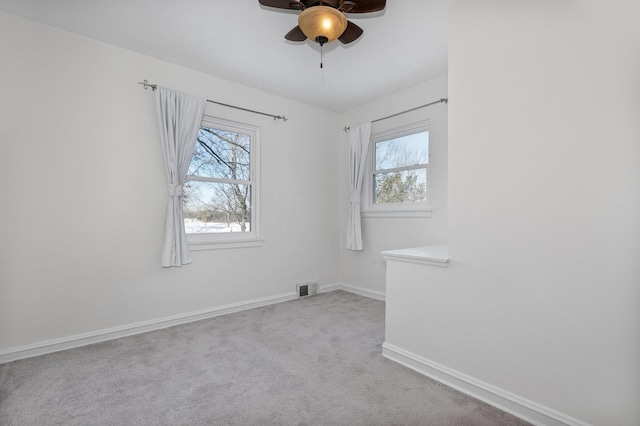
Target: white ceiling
{"points": [[242, 41]]}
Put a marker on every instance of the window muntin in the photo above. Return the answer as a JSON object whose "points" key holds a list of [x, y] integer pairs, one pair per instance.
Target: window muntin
{"points": [[220, 191], [399, 170]]}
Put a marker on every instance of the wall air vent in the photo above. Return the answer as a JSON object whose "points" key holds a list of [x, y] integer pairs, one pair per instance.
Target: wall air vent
{"points": [[306, 289]]}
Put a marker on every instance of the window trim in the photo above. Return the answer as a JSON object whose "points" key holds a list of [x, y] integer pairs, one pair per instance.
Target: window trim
{"points": [[214, 240], [372, 209]]}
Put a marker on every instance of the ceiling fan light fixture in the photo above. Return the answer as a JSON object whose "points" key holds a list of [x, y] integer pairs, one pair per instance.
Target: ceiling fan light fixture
{"points": [[322, 24]]}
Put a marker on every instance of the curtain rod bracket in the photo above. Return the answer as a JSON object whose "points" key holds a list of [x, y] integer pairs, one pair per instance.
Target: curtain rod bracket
{"points": [[146, 85]]}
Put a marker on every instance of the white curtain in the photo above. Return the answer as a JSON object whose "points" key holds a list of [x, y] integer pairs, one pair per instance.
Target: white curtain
{"points": [[179, 116], [358, 149]]}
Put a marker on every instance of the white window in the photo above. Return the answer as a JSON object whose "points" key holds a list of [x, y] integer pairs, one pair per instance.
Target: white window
{"points": [[398, 178], [221, 190]]}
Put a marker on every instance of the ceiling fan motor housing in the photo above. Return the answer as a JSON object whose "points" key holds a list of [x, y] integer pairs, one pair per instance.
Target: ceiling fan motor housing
{"points": [[323, 21], [303, 4]]}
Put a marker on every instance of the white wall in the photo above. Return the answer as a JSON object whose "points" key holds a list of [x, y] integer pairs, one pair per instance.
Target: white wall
{"points": [[542, 295], [366, 268], [541, 298], [84, 191]]}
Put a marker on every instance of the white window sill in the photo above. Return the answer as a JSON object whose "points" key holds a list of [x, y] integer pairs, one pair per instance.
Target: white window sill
{"points": [[397, 213], [428, 255], [214, 244]]}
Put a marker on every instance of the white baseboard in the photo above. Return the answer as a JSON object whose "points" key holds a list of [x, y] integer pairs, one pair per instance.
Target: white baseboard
{"points": [[69, 342], [326, 288], [373, 294], [506, 401], [55, 345]]}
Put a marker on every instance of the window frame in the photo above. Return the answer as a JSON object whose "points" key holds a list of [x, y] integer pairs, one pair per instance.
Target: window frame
{"points": [[221, 240], [372, 209]]}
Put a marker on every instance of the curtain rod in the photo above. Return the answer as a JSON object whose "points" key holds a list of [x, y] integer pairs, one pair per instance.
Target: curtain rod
{"points": [[153, 87], [445, 100]]}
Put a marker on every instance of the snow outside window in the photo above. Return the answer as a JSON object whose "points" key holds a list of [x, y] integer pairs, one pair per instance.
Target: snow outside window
{"points": [[221, 188]]}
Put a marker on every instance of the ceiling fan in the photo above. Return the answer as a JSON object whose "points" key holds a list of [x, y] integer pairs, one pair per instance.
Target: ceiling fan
{"points": [[323, 21]]}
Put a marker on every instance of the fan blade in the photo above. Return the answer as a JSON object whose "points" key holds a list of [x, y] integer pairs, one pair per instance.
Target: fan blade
{"points": [[346, 6], [351, 33], [365, 6], [295, 34], [283, 4]]}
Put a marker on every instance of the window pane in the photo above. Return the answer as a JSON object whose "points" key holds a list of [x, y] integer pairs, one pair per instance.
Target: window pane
{"points": [[402, 152], [221, 154], [409, 186], [216, 207]]}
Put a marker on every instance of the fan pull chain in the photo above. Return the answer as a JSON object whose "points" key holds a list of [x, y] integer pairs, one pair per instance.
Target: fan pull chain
{"points": [[321, 40]]}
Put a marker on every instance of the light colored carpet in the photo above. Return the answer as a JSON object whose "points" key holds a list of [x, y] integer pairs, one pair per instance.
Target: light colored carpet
{"points": [[312, 361]]}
